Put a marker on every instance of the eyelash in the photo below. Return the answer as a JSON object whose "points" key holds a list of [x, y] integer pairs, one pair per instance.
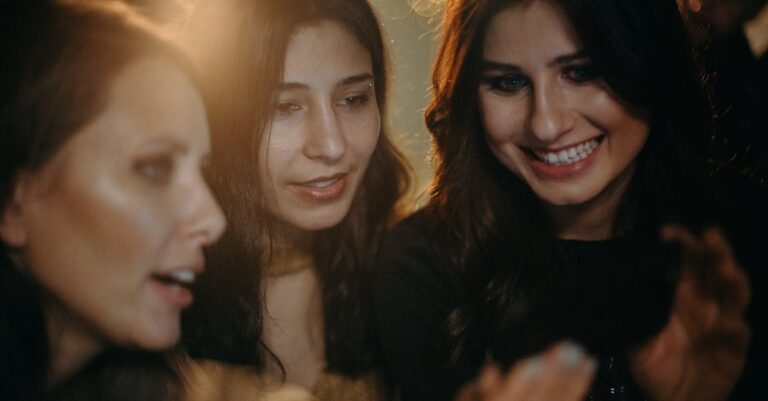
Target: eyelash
{"points": [[502, 83], [284, 110], [157, 169], [581, 73], [577, 73], [352, 102]]}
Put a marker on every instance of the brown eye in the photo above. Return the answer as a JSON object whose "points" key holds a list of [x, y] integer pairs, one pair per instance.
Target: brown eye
{"points": [[286, 110], [156, 169], [354, 101]]}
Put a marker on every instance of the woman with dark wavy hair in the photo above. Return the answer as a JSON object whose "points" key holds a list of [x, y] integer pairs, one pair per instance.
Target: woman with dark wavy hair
{"points": [[104, 208], [570, 142], [309, 181]]}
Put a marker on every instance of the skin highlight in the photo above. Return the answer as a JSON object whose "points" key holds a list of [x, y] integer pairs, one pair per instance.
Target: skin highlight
{"points": [[130, 179]]}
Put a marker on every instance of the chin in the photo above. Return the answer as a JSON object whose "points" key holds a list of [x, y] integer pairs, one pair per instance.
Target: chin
{"points": [[158, 337], [566, 196], [318, 224]]}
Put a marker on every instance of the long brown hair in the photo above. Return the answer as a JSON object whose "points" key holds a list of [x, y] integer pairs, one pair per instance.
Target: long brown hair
{"points": [[492, 220], [242, 78], [60, 59]]}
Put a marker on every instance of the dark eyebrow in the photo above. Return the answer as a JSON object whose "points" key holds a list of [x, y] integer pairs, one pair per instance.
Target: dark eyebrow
{"points": [[289, 86], [581, 54], [494, 66], [364, 77], [503, 67], [292, 86]]}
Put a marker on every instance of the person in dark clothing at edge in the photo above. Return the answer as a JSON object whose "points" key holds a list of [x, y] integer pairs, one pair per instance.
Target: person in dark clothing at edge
{"points": [[574, 202]]}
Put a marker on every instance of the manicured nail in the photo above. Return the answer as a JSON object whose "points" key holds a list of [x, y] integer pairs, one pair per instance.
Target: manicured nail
{"points": [[534, 367], [570, 355]]}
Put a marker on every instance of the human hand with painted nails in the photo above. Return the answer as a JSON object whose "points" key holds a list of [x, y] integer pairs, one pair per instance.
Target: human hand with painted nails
{"points": [[700, 353], [564, 372]]}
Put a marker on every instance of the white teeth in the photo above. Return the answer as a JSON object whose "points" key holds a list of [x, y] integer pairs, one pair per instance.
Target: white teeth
{"points": [[183, 276], [570, 155], [551, 158], [322, 184]]}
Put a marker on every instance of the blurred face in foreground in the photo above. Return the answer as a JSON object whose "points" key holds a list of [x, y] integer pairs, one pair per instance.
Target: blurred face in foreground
{"points": [[113, 226]]}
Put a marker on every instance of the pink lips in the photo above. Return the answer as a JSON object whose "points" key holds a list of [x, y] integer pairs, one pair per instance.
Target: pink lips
{"points": [[177, 296], [322, 189], [173, 284]]}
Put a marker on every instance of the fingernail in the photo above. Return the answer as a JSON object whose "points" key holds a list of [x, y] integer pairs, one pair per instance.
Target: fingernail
{"points": [[570, 355], [534, 367]]}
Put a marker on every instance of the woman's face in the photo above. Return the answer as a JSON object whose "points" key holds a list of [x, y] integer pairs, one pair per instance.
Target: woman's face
{"points": [[548, 117], [324, 129], [114, 224]]}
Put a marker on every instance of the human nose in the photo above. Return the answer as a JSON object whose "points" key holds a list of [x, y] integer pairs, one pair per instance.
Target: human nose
{"points": [[325, 139], [206, 221], [550, 115]]}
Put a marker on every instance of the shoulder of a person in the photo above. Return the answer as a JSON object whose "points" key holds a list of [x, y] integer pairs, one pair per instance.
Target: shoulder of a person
{"points": [[413, 254], [414, 245]]}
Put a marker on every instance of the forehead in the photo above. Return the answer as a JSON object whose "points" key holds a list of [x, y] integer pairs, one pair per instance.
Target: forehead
{"points": [[325, 50], [150, 99], [537, 28]]}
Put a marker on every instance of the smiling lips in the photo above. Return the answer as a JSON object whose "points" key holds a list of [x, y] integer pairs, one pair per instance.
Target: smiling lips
{"points": [[322, 189], [565, 162]]}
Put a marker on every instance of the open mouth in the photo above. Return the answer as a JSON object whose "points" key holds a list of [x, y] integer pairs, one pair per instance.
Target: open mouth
{"points": [[322, 184], [569, 155], [179, 278], [176, 286], [322, 189]]}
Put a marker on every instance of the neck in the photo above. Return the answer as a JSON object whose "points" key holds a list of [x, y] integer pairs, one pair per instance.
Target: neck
{"points": [[289, 250], [71, 342], [593, 220]]}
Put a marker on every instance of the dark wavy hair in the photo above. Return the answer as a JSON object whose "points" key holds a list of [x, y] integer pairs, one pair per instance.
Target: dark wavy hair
{"points": [[243, 69], [59, 59], [492, 220]]}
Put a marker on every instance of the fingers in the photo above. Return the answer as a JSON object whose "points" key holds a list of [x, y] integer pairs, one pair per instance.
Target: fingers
{"points": [[734, 288], [571, 376], [710, 272], [562, 373]]}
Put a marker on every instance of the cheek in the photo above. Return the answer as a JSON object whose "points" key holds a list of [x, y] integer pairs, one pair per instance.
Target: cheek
{"points": [[96, 244], [275, 155], [363, 135], [503, 119], [627, 132]]}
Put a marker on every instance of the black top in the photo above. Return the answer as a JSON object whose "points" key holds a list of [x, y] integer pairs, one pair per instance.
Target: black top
{"points": [[417, 287]]}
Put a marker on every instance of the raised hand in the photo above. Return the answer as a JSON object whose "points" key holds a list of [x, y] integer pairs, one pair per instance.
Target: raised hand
{"points": [[700, 353], [562, 373]]}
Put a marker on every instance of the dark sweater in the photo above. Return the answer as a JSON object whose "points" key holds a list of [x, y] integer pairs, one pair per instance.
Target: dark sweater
{"points": [[603, 302]]}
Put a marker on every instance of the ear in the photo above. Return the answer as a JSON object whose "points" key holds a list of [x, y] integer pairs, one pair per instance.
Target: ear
{"points": [[12, 230]]}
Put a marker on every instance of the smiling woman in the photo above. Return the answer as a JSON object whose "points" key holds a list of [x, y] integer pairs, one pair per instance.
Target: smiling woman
{"points": [[571, 140], [554, 123], [104, 208]]}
